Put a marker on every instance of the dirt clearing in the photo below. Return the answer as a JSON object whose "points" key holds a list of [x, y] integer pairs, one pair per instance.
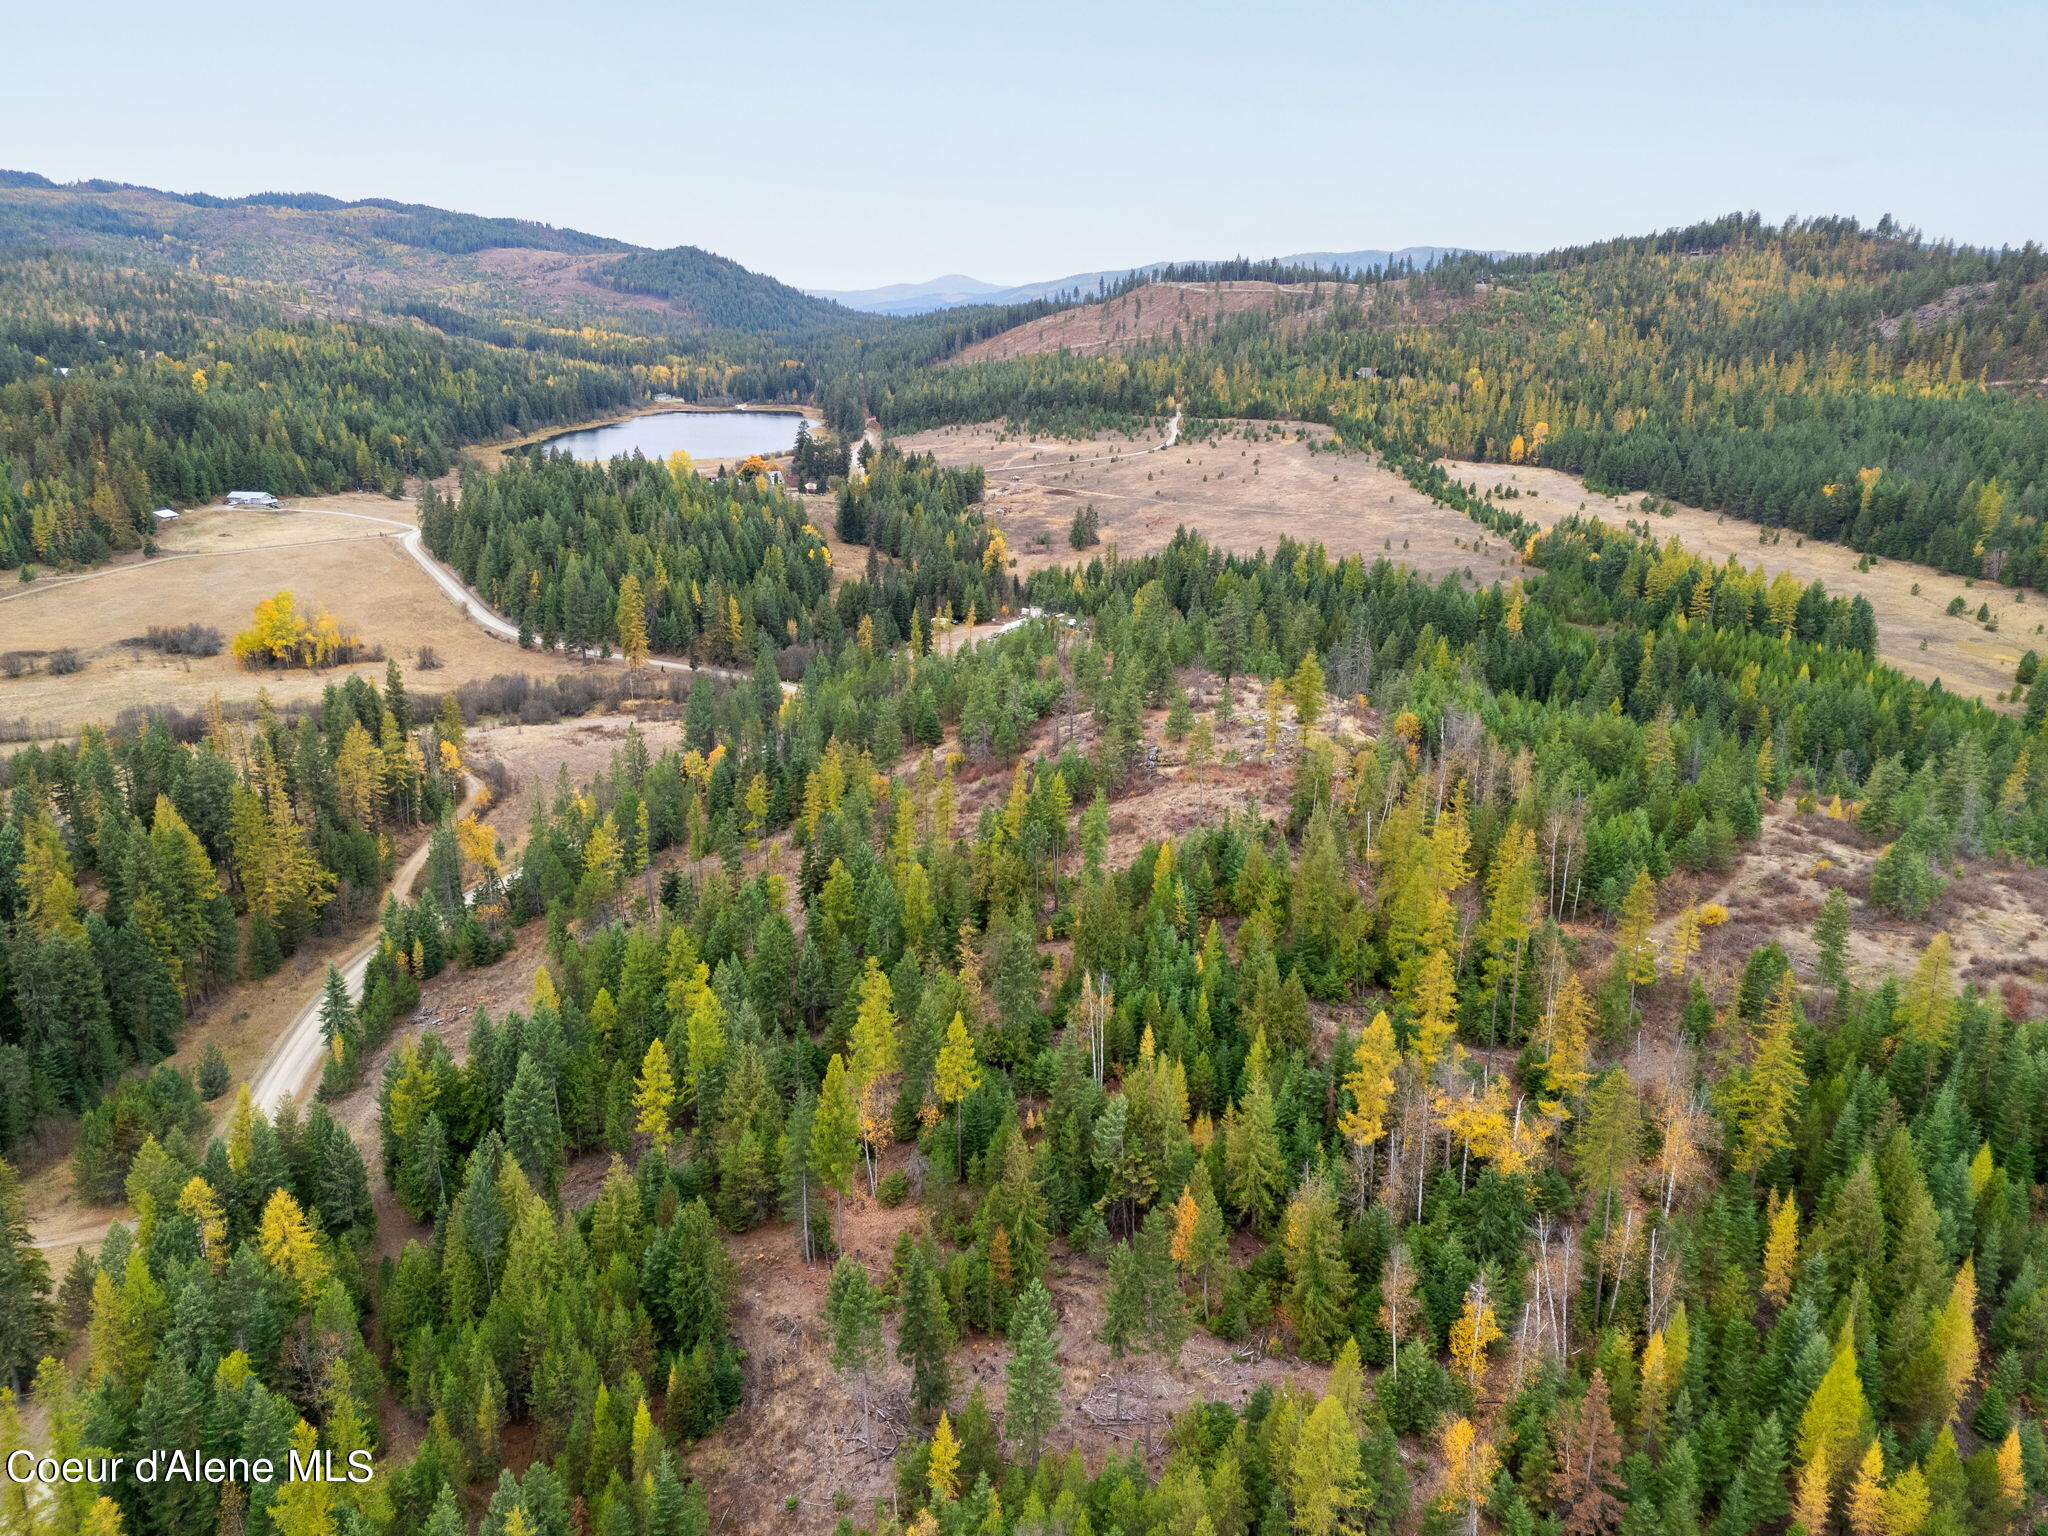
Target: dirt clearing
{"points": [[533, 757], [794, 1398]]}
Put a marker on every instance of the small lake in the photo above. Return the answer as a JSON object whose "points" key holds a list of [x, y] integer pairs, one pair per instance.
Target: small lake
{"points": [[701, 434]]}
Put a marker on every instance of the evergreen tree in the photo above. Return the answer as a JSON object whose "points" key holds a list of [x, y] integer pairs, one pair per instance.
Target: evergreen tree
{"points": [[1032, 1406], [925, 1336], [28, 1322]]}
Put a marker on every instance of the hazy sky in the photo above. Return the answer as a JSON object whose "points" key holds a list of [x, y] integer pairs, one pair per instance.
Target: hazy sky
{"points": [[871, 141]]}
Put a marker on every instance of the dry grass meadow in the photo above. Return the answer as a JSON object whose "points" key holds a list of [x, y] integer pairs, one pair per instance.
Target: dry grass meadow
{"points": [[1246, 491], [216, 565]]}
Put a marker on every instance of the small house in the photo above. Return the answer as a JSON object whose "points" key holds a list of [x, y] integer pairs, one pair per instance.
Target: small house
{"points": [[251, 499], [165, 514]]}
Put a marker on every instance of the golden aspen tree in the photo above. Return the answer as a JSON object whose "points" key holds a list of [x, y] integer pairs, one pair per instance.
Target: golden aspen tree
{"points": [[477, 843], [1470, 1465], [1474, 1331]]}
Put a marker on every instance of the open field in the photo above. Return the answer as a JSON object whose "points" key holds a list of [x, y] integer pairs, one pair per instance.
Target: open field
{"points": [[1915, 633], [1245, 493], [216, 566]]}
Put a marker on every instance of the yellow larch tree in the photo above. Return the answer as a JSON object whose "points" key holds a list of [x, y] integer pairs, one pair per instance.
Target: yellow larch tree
{"points": [[1566, 1038], [943, 1473], [1765, 1096], [654, 1098], [1927, 1004], [1781, 1249], [289, 1247], [632, 622], [1685, 942], [1866, 1494]]}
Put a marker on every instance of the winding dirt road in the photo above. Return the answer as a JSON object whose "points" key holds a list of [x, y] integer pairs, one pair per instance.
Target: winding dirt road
{"points": [[294, 1062]]}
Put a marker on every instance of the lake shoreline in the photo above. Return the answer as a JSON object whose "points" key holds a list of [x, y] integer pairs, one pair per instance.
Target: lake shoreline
{"points": [[493, 453], [710, 435]]}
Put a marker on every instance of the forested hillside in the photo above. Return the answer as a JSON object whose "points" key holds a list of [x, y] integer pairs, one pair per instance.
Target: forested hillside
{"points": [[1860, 385], [1284, 957], [724, 294], [162, 349], [1364, 1083], [123, 390], [139, 875]]}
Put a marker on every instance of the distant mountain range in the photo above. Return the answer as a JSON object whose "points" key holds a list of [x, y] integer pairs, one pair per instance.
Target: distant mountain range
{"points": [[436, 264], [955, 289]]}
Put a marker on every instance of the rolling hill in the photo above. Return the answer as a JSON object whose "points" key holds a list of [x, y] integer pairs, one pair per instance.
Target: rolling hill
{"points": [[368, 253]]}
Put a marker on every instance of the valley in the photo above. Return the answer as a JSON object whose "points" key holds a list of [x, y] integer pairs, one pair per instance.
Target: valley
{"points": [[1183, 946]]}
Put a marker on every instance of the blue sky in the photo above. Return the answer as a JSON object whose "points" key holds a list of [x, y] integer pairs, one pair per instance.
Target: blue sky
{"points": [[872, 141]]}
